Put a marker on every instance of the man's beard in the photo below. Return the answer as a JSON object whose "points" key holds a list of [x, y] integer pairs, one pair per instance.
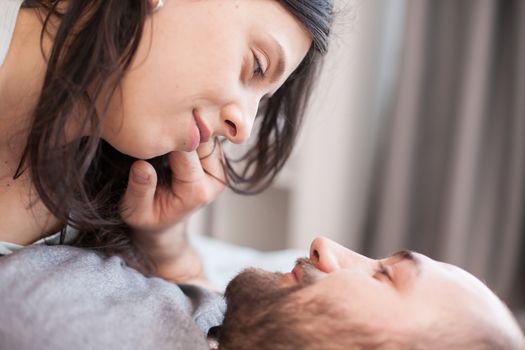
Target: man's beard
{"points": [[255, 287], [255, 292]]}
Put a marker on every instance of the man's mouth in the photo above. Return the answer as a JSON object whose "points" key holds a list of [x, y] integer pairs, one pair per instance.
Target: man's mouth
{"points": [[298, 272], [305, 271]]}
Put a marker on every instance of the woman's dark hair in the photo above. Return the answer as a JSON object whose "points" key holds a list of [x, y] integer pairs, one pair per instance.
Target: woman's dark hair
{"points": [[94, 42]]}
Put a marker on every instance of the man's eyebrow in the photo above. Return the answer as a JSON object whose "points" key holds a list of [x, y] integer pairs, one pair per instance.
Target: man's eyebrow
{"points": [[281, 60], [408, 255]]}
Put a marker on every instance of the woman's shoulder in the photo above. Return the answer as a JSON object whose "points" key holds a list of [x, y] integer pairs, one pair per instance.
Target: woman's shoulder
{"points": [[8, 14]]}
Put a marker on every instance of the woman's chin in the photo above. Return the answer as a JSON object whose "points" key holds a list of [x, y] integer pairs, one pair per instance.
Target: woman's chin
{"points": [[140, 151]]}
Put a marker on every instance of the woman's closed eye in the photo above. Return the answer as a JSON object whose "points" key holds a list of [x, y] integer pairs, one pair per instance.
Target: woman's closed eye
{"points": [[258, 70]]}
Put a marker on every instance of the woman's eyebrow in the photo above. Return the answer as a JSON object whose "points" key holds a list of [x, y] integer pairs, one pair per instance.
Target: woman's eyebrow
{"points": [[281, 60]]}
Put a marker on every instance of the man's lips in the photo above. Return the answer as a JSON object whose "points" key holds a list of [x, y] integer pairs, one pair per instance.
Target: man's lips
{"points": [[303, 272], [293, 277], [289, 279], [298, 272]]}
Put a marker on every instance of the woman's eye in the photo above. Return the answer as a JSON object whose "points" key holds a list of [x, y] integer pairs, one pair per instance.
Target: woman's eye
{"points": [[257, 68]]}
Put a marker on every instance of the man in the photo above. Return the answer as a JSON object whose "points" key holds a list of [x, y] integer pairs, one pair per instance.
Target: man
{"points": [[338, 299], [68, 298]]}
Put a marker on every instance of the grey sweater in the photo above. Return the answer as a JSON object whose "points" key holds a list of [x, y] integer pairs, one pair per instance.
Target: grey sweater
{"points": [[63, 297]]}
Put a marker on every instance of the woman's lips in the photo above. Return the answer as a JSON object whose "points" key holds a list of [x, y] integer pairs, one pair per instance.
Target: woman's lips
{"points": [[199, 132], [205, 133], [195, 138]]}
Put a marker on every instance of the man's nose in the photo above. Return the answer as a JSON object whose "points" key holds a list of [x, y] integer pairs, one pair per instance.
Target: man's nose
{"points": [[329, 256], [237, 121]]}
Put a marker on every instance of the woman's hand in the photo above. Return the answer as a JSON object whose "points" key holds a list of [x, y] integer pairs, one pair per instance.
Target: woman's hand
{"points": [[156, 214], [148, 208]]}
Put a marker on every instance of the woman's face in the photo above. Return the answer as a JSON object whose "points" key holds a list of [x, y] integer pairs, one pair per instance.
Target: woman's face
{"points": [[197, 74]]}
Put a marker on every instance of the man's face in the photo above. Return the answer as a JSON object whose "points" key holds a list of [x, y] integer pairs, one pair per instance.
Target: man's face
{"points": [[405, 293]]}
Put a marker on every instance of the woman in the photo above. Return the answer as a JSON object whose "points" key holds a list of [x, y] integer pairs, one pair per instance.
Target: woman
{"points": [[111, 109]]}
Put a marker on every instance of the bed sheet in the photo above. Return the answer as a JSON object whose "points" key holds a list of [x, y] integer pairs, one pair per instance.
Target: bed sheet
{"points": [[222, 261]]}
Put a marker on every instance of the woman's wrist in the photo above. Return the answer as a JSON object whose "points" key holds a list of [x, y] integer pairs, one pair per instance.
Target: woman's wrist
{"points": [[169, 241], [171, 254]]}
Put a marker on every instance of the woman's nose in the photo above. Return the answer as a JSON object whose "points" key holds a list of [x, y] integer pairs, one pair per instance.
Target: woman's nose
{"points": [[237, 122], [329, 256]]}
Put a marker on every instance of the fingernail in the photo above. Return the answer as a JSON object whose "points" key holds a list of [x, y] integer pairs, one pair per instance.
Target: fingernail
{"points": [[140, 177]]}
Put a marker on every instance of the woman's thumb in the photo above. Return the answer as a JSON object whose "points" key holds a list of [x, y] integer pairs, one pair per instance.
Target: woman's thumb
{"points": [[137, 202]]}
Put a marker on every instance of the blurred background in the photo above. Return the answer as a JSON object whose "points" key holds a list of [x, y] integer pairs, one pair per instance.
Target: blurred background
{"points": [[415, 138]]}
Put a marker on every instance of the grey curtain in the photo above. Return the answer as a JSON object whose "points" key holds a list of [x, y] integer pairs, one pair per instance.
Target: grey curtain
{"points": [[449, 174]]}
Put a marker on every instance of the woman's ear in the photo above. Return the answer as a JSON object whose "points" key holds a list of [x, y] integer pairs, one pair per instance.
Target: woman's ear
{"points": [[213, 343], [156, 5], [213, 337]]}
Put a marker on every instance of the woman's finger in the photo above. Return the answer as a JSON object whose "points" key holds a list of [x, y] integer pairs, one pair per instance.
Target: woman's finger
{"points": [[186, 167], [138, 200], [212, 159]]}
